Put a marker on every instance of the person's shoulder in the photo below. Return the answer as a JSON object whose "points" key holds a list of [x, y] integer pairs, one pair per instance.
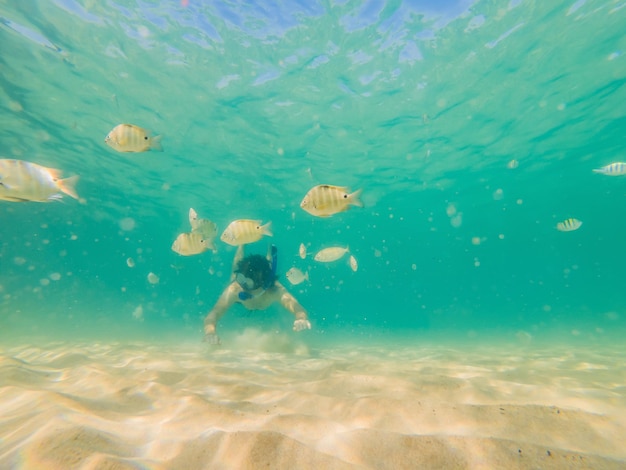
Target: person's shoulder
{"points": [[278, 287]]}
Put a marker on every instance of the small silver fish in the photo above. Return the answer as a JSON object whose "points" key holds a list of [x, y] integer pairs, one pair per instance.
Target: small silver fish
{"points": [[353, 263], [22, 181], [295, 276], [614, 169], [569, 225], [330, 254], [302, 251]]}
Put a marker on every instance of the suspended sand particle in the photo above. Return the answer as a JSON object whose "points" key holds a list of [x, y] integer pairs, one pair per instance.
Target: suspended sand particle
{"points": [[153, 278], [55, 276], [512, 165], [457, 220], [15, 106], [74, 237], [476, 241], [414, 266], [143, 31], [450, 210], [127, 224], [18, 260], [43, 136], [130, 262], [44, 282], [138, 313], [498, 194]]}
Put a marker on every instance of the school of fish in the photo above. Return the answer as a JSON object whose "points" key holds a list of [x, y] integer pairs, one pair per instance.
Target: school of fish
{"points": [[24, 181], [199, 240]]}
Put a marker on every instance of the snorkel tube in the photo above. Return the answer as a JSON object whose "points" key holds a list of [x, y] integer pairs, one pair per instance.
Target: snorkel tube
{"points": [[273, 263]]}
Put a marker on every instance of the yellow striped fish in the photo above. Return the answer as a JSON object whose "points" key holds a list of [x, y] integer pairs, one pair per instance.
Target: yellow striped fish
{"points": [[188, 244], [243, 231], [22, 181], [131, 138], [614, 169], [325, 200], [568, 225]]}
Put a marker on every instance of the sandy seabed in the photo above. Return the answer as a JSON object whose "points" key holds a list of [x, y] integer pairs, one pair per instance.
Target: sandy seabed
{"points": [[246, 406]]}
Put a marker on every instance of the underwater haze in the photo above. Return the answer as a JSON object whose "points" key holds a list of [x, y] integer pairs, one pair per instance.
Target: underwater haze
{"points": [[478, 318], [471, 127]]}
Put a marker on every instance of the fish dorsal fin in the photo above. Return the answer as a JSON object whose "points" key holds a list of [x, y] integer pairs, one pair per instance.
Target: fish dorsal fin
{"points": [[193, 218]]}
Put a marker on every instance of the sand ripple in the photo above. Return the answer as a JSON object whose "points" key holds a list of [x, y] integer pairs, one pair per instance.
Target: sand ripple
{"points": [[138, 406]]}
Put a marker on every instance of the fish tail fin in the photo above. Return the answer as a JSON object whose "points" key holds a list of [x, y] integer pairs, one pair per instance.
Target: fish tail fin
{"points": [[267, 229], [67, 185], [355, 198], [155, 143], [306, 275]]}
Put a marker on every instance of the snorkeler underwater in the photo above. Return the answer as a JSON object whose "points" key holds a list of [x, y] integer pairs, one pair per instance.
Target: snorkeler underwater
{"points": [[310, 235]]}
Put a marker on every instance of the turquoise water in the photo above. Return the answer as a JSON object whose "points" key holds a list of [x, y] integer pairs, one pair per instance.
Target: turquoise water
{"points": [[472, 127]]}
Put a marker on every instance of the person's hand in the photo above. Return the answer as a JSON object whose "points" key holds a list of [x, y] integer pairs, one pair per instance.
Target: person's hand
{"points": [[301, 324], [212, 339]]}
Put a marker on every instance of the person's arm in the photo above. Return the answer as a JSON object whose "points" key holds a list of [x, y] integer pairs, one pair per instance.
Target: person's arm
{"points": [[226, 300], [238, 257], [290, 303]]}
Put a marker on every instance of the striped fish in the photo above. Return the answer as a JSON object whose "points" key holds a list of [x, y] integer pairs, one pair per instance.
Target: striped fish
{"points": [[22, 181], [204, 227], [568, 225], [614, 169], [187, 244], [130, 138], [243, 231], [325, 200]]}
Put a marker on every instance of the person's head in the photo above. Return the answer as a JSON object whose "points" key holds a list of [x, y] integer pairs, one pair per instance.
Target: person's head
{"points": [[254, 272]]}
